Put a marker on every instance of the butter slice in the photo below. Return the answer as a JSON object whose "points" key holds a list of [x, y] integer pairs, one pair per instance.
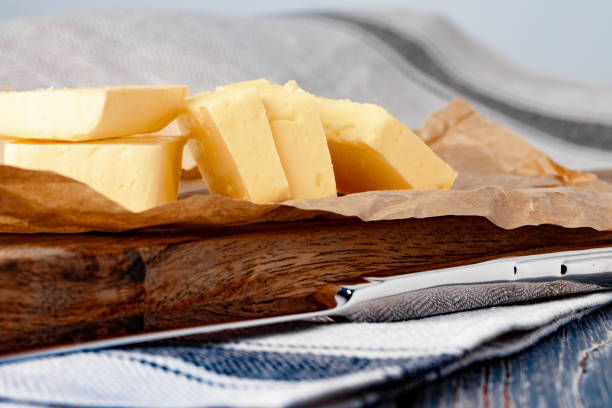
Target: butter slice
{"points": [[137, 172], [89, 113], [233, 146], [189, 165], [371, 150], [299, 138]]}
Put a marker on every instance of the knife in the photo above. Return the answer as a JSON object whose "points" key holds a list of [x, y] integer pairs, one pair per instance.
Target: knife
{"points": [[497, 282]]}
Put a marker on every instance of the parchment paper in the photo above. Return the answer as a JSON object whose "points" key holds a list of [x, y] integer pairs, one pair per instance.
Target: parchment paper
{"points": [[501, 177]]}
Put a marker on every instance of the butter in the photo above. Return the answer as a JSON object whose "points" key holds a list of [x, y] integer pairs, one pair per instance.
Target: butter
{"points": [[137, 172], [299, 138], [371, 150], [173, 129], [89, 113], [233, 146]]}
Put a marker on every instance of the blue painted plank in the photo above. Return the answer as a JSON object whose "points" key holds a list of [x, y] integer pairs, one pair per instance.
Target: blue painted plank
{"points": [[570, 368]]}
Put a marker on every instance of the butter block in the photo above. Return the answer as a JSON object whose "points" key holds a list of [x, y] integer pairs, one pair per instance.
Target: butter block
{"points": [[233, 146], [137, 172], [89, 113], [299, 138], [371, 150], [173, 129]]}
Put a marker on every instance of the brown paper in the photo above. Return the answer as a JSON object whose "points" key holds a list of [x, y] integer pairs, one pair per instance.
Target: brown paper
{"points": [[501, 177]]}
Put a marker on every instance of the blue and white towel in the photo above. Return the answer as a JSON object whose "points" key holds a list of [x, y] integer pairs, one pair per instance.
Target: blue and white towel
{"points": [[304, 363], [412, 64]]}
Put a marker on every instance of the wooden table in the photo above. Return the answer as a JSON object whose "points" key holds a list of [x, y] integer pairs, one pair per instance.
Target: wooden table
{"points": [[570, 368]]}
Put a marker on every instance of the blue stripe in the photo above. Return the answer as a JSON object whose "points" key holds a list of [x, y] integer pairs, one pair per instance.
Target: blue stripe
{"points": [[264, 365]]}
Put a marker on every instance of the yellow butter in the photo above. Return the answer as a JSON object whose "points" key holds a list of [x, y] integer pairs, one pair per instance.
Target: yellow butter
{"points": [[233, 146], [89, 113], [175, 130], [299, 138], [371, 150], [137, 172]]}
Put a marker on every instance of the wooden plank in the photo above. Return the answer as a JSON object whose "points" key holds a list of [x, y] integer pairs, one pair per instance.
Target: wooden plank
{"points": [[568, 369]]}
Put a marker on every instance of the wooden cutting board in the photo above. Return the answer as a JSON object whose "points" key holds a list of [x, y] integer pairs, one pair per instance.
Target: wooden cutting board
{"points": [[60, 289]]}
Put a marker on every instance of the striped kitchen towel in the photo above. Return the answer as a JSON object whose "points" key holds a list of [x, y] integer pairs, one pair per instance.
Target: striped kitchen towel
{"points": [[412, 64], [305, 363]]}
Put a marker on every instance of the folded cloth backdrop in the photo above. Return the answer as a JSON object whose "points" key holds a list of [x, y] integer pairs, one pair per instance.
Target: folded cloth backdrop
{"points": [[410, 63]]}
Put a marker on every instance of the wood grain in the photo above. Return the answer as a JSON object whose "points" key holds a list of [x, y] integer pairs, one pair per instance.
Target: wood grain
{"points": [[570, 368], [60, 288]]}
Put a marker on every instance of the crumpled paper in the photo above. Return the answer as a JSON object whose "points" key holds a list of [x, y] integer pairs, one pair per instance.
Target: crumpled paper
{"points": [[501, 177]]}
